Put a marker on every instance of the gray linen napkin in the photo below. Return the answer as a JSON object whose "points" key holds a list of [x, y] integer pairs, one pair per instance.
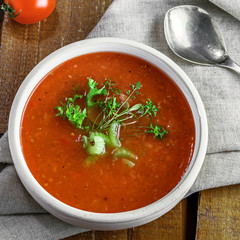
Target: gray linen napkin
{"points": [[230, 6], [142, 20]]}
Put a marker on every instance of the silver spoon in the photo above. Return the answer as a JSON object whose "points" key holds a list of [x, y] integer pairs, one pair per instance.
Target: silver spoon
{"points": [[192, 35]]}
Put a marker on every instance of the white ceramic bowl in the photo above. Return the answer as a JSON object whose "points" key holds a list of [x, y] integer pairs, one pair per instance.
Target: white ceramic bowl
{"points": [[113, 221]]}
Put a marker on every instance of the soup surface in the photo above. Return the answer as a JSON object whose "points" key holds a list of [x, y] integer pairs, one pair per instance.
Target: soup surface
{"points": [[53, 146]]}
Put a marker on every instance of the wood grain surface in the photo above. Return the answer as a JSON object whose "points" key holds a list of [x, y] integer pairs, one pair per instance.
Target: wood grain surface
{"points": [[218, 214], [23, 46]]}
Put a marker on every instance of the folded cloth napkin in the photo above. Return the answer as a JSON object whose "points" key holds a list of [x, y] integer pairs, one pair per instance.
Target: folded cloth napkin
{"points": [[142, 20], [230, 6]]}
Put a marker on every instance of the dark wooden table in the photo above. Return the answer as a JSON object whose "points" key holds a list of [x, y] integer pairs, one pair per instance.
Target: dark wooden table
{"points": [[211, 214]]}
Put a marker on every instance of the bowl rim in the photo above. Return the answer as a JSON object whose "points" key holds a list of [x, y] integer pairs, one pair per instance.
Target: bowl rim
{"points": [[52, 204]]}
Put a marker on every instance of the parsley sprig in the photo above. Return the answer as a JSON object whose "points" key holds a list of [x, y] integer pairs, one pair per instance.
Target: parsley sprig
{"points": [[94, 91], [72, 111]]}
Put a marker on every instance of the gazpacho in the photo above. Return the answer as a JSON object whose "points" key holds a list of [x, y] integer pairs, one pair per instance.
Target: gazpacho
{"points": [[107, 132]]}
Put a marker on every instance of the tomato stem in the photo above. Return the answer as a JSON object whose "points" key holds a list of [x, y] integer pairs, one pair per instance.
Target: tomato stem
{"points": [[7, 8]]}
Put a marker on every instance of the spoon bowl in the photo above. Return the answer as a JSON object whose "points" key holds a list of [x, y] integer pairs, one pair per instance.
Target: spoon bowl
{"points": [[192, 35]]}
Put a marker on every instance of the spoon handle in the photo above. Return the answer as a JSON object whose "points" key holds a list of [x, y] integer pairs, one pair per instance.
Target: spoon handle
{"points": [[230, 64]]}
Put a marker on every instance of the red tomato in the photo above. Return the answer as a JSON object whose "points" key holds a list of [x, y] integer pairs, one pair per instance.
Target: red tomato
{"points": [[30, 11]]}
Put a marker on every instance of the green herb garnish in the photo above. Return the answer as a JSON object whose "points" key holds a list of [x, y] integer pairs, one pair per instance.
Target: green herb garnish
{"points": [[113, 114], [149, 108], [94, 91], [158, 131], [72, 111]]}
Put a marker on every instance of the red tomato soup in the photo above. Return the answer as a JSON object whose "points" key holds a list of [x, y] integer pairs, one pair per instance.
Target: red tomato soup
{"points": [[54, 150]]}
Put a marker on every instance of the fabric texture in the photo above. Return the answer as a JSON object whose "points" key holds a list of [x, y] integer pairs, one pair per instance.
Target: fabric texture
{"points": [[142, 20], [232, 7]]}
